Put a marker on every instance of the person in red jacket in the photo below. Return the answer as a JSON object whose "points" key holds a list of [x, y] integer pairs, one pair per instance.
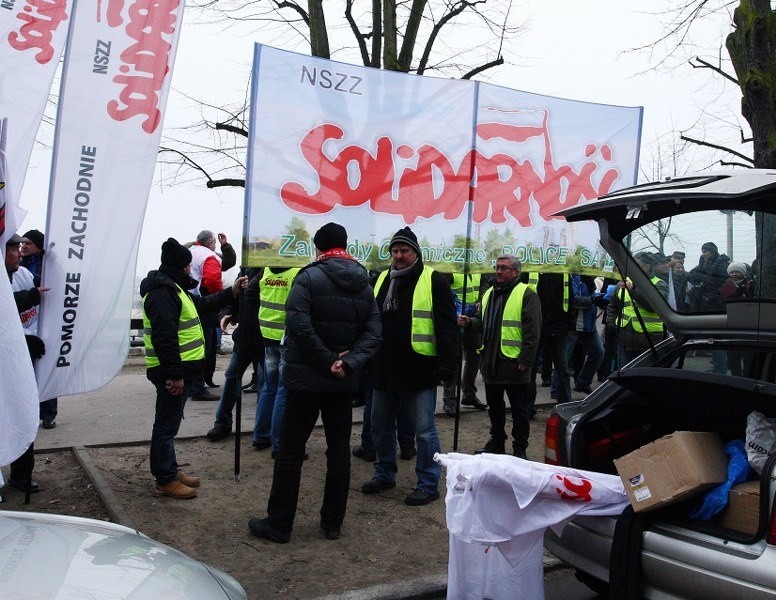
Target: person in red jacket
{"points": [[206, 268]]}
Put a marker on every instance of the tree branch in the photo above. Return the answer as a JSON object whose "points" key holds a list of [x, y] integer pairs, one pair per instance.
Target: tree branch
{"points": [[295, 7], [187, 161], [716, 147], [454, 12], [734, 164], [485, 67], [231, 129], [360, 37], [214, 183], [704, 64]]}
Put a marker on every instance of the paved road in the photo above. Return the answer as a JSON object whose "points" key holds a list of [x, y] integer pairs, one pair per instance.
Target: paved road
{"points": [[122, 411]]}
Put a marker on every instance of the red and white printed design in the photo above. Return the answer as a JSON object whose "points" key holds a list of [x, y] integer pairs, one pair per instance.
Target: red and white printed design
{"points": [[377, 150], [116, 80], [32, 36], [497, 509]]}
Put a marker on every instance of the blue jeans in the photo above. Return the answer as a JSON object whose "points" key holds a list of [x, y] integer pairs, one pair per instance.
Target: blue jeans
{"points": [[594, 354], [272, 398], [404, 430], [233, 375], [421, 405], [167, 422]]}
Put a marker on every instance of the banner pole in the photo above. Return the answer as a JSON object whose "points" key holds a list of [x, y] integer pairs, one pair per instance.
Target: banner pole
{"points": [[466, 265], [238, 402]]}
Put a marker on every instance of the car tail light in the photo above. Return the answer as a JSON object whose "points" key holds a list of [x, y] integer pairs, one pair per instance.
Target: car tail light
{"points": [[615, 445], [552, 441]]}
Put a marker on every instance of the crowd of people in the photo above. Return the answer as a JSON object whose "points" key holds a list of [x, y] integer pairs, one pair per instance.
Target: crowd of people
{"points": [[329, 336]]}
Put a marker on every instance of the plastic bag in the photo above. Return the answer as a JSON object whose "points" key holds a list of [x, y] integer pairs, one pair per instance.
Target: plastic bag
{"points": [[760, 439], [717, 498]]}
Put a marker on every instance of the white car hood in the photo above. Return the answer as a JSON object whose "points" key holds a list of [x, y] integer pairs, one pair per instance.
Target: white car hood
{"points": [[68, 558]]}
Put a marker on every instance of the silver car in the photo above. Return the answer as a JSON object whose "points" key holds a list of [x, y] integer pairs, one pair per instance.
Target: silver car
{"points": [[715, 364], [70, 558]]}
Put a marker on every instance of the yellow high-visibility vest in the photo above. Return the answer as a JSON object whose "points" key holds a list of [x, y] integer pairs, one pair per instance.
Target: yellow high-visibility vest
{"points": [[191, 339], [511, 320], [652, 320], [274, 289], [472, 287], [423, 333]]}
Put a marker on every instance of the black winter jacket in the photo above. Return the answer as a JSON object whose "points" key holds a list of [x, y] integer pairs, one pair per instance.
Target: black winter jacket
{"points": [[244, 312], [331, 309], [555, 320], [707, 279], [163, 308], [397, 367]]}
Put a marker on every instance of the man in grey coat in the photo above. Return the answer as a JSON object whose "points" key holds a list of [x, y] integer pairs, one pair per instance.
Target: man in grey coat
{"points": [[510, 319]]}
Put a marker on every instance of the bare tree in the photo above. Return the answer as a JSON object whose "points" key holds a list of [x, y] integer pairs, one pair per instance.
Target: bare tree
{"points": [[453, 38]]}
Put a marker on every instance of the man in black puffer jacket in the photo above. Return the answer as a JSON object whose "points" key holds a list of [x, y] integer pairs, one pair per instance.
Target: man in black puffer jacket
{"points": [[332, 329]]}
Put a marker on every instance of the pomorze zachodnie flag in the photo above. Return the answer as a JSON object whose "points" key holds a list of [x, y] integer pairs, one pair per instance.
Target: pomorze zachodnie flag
{"points": [[476, 170], [116, 79]]}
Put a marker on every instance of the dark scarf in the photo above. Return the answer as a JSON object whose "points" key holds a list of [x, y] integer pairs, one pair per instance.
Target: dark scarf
{"points": [[391, 303], [491, 319]]}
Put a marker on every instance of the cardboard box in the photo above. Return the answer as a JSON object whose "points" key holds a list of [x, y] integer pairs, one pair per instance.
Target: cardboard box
{"points": [[743, 509], [672, 468]]}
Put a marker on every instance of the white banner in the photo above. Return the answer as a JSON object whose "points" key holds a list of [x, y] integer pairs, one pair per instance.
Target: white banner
{"points": [[7, 219], [116, 79], [18, 391], [32, 36], [377, 150]]}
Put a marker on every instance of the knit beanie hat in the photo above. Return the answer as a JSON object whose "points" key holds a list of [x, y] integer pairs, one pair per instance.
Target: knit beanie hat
{"points": [[14, 240], [174, 255], [405, 236], [36, 237], [711, 246], [331, 235], [737, 266]]}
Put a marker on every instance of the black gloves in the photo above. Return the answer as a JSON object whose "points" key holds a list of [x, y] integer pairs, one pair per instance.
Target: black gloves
{"points": [[35, 346]]}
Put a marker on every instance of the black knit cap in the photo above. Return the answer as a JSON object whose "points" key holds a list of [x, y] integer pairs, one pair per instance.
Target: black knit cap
{"points": [[36, 237], [405, 236], [174, 255], [331, 235], [710, 246]]}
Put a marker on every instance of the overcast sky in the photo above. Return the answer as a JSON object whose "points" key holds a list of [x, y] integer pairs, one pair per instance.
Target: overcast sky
{"points": [[569, 49]]}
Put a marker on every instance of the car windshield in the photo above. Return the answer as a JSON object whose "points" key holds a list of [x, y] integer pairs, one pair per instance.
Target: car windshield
{"points": [[700, 261]]}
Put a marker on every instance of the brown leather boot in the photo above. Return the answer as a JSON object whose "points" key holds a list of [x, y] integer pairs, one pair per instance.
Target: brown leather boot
{"points": [[188, 480], [175, 489]]}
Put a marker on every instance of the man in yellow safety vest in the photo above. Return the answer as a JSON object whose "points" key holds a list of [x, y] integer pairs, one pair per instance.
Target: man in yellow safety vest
{"points": [[175, 351], [510, 320], [419, 350]]}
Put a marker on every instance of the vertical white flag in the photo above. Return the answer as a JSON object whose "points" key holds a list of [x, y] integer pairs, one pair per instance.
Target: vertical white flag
{"points": [[115, 82], [18, 392], [32, 35]]}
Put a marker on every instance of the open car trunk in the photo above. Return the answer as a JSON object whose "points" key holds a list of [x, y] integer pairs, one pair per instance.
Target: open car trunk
{"points": [[653, 402]]}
